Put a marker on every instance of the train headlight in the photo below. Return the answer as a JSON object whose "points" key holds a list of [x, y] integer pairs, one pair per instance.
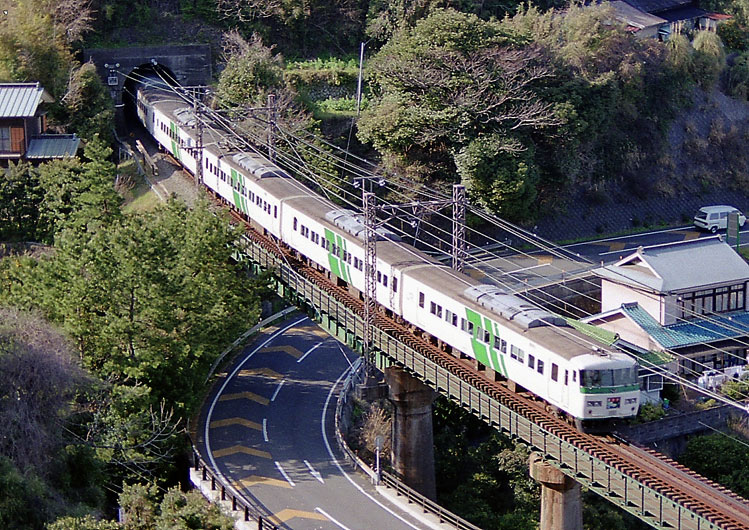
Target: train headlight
{"points": [[630, 401], [594, 403]]}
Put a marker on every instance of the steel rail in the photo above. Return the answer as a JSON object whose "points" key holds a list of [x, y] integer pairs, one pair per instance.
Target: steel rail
{"points": [[650, 487]]}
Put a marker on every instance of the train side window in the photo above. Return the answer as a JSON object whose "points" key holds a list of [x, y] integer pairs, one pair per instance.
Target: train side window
{"points": [[566, 377], [540, 367], [463, 325], [487, 336], [503, 346], [513, 351], [496, 342], [531, 361], [574, 375], [454, 320], [433, 308], [296, 223], [385, 283], [554, 372], [379, 280], [421, 300], [275, 212], [395, 283]]}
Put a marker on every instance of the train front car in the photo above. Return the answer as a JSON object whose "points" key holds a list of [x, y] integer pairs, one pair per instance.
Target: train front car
{"points": [[607, 389]]}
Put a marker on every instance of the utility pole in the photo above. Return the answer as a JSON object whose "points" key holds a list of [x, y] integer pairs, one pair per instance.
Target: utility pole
{"points": [[271, 127], [197, 108], [370, 265], [459, 227]]}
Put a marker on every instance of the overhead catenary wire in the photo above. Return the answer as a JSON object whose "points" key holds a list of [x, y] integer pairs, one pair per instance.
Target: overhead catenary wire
{"points": [[343, 194]]}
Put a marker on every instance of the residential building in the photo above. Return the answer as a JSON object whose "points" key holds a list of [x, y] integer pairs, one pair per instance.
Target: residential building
{"points": [[687, 298], [23, 121]]}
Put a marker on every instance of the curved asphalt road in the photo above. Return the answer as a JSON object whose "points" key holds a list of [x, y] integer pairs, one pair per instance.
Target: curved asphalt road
{"points": [[268, 428]]}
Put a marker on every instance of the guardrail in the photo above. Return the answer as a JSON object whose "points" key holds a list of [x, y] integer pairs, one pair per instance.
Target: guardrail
{"points": [[223, 492]]}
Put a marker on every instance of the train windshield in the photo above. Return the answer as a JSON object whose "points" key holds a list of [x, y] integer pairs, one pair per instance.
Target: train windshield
{"points": [[608, 378]]}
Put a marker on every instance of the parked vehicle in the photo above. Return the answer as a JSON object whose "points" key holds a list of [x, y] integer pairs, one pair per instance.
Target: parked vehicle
{"points": [[714, 218]]}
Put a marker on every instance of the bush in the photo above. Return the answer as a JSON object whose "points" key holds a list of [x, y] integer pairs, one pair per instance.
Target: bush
{"points": [[650, 412]]}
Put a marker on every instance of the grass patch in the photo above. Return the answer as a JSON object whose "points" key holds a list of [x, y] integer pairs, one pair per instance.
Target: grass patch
{"points": [[134, 189], [332, 108], [347, 64]]}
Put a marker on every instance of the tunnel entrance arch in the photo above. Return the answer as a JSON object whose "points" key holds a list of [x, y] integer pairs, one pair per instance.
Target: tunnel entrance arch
{"points": [[187, 65]]}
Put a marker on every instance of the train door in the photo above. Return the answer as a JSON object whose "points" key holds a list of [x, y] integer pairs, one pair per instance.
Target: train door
{"points": [[565, 380], [555, 383]]}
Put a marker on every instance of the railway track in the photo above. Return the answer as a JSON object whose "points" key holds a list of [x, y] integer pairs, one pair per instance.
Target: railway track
{"points": [[715, 503]]}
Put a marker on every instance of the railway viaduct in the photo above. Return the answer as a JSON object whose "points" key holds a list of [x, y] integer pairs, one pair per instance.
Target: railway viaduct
{"points": [[188, 65]]}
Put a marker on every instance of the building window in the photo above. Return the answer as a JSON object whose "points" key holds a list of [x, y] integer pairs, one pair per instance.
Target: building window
{"points": [[5, 139]]}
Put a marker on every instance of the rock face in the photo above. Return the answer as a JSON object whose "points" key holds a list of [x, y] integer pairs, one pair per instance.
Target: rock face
{"points": [[704, 163]]}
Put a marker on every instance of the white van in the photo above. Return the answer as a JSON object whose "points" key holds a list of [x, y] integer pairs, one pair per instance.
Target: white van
{"points": [[714, 218]]}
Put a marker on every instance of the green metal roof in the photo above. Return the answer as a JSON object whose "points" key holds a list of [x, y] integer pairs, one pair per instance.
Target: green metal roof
{"points": [[601, 335], [48, 146]]}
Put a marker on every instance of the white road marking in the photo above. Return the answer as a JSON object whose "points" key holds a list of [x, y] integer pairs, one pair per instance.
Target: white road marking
{"points": [[338, 465], [287, 477], [207, 433], [314, 473], [323, 512], [265, 429], [278, 389], [313, 348]]}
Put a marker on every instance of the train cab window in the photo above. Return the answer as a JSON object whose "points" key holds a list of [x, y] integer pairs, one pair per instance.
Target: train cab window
{"points": [[566, 377], [531, 361], [296, 223], [395, 284], [421, 300], [540, 367], [554, 372]]}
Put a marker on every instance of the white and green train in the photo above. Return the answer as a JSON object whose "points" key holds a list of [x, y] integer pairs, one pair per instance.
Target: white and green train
{"points": [[531, 347]]}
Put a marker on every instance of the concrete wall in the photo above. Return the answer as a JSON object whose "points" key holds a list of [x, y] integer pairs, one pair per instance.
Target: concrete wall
{"points": [[669, 434], [190, 64]]}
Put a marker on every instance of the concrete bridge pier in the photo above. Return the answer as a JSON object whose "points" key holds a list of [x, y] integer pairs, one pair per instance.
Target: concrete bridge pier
{"points": [[412, 452], [561, 504]]}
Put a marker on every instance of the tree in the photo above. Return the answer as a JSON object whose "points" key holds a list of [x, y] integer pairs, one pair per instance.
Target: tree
{"points": [[450, 81], [86, 522], [720, 458], [20, 198], [38, 380], [176, 511]]}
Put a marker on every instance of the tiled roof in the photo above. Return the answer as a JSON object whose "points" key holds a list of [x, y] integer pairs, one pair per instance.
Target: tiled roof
{"points": [[718, 327], [48, 146], [634, 17], [676, 267], [20, 100]]}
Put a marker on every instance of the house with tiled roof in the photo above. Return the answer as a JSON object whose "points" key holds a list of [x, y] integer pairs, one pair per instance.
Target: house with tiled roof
{"points": [[688, 299], [662, 18], [23, 121]]}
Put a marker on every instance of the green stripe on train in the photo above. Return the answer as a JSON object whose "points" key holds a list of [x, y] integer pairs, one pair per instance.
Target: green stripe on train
{"points": [[175, 133], [333, 261]]}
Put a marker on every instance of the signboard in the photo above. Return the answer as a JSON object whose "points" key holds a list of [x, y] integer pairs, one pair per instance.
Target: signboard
{"points": [[732, 230]]}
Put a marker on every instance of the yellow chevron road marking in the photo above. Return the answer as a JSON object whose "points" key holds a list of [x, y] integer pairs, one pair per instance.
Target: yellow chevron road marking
{"points": [[267, 372], [234, 449], [288, 514], [544, 259], [688, 234], [245, 395], [291, 350], [256, 479], [317, 332], [236, 421]]}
